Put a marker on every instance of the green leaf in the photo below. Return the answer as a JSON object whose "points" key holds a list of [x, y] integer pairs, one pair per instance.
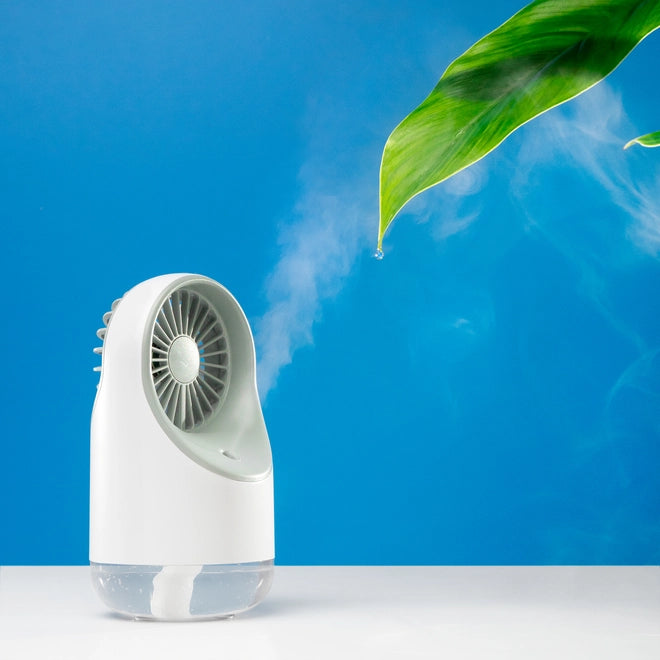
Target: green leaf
{"points": [[549, 52], [648, 140]]}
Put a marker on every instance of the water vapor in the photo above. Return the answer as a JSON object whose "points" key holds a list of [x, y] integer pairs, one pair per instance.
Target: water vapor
{"points": [[318, 249], [588, 135], [335, 218], [333, 223]]}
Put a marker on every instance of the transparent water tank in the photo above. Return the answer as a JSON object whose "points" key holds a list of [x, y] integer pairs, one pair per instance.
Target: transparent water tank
{"points": [[182, 593]]}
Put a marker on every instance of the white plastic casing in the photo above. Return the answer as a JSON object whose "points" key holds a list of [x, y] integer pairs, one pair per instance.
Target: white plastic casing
{"points": [[150, 503]]}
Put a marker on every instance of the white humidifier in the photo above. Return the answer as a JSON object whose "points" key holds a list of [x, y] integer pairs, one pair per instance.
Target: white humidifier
{"points": [[181, 486]]}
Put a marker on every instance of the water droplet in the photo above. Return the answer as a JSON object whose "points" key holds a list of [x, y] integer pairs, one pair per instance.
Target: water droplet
{"points": [[378, 254]]}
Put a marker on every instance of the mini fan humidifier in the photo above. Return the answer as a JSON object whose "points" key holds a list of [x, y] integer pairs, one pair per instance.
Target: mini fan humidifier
{"points": [[181, 486]]}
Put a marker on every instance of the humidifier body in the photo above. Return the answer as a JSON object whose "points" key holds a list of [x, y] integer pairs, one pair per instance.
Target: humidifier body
{"points": [[181, 487]]}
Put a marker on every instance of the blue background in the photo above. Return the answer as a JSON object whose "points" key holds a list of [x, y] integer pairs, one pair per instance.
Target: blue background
{"points": [[489, 393]]}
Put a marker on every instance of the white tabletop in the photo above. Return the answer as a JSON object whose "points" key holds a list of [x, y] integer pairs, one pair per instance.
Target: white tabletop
{"points": [[356, 612]]}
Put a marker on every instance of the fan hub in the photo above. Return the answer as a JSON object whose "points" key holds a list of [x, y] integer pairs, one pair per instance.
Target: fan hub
{"points": [[183, 359]]}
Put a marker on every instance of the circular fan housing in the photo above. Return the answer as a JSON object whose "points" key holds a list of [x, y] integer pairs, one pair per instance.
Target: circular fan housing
{"points": [[189, 359]]}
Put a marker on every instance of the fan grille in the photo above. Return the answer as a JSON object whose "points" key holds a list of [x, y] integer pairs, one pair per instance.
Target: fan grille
{"points": [[189, 359]]}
